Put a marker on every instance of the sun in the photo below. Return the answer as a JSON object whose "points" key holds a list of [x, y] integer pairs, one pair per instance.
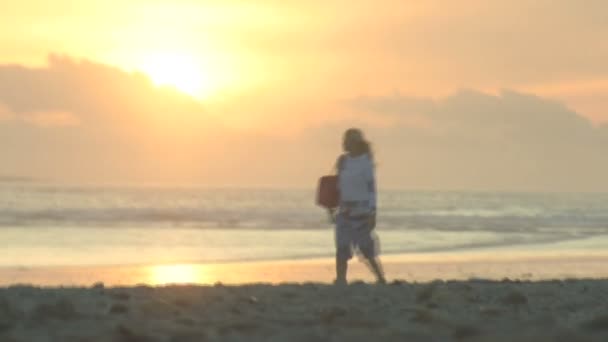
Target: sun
{"points": [[181, 71]]}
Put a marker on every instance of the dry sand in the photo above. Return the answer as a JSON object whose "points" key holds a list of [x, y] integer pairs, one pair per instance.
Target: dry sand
{"points": [[475, 310]]}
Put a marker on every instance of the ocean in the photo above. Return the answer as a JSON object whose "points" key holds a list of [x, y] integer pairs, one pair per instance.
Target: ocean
{"points": [[51, 225]]}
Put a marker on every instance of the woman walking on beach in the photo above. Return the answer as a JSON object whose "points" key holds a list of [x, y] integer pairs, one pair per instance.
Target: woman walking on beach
{"points": [[355, 217]]}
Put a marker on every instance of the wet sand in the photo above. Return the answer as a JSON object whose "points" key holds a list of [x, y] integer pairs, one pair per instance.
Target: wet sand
{"points": [[411, 267]]}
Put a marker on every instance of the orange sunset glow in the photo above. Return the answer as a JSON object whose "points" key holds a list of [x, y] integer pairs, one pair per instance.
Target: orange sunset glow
{"points": [[190, 92], [177, 274], [272, 170]]}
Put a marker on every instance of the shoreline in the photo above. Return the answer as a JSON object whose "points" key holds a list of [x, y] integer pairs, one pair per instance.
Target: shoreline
{"points": [[408, 267]]}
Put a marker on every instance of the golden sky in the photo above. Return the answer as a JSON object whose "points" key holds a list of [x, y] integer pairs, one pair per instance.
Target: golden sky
{"points": [[284, 71], [431, 48]]}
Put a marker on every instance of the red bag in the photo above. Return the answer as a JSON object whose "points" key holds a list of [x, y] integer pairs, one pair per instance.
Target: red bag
{"points": [[328, 195]]}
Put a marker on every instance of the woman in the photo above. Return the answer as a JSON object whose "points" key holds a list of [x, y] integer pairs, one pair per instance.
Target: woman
{"points": [[356, 215]]}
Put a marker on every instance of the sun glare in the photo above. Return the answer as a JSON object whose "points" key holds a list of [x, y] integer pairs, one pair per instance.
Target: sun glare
{"points": [[177, 274], [180, 71]]}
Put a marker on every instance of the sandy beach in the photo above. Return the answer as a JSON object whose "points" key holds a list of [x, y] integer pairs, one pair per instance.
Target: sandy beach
{"points": [[477, 310], [531, 299]]}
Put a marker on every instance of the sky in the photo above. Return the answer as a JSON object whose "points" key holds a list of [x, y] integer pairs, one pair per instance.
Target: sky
{"points": [[460, 95]]}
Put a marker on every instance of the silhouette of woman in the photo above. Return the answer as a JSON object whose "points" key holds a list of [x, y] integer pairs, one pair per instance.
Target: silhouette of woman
{"points": [[355, 217]]}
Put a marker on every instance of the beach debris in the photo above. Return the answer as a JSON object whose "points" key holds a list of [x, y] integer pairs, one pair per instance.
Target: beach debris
{"points": [[598, 323], [118, 309], [61, 309], [253, 300], [98, 286]]}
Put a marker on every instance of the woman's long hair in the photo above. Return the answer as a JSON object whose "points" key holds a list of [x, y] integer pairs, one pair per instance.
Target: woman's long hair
{"points": [[355, 143]]}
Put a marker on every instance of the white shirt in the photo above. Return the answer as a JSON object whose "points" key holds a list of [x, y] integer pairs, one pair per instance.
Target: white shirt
{"points": [[356, 179]]}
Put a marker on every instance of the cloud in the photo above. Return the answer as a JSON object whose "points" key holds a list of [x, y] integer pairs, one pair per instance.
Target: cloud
{"points": [[474, 140], [44, 119], [5, 113], [81, 121], [472, 115], [85, 120], [94, 93], [61, 119]]}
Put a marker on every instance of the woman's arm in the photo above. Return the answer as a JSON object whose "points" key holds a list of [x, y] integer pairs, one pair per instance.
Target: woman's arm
{"points": [[338, 168], [331, 212], [339, 164], [371, 188]]}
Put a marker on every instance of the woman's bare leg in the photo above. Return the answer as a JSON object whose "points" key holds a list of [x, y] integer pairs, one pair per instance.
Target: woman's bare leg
{"points": [[342, 257], [341, 268], [375, 266]]}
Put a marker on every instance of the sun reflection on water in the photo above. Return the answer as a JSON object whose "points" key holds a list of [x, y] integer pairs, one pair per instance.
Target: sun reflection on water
{"points": [[178, 274]]}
